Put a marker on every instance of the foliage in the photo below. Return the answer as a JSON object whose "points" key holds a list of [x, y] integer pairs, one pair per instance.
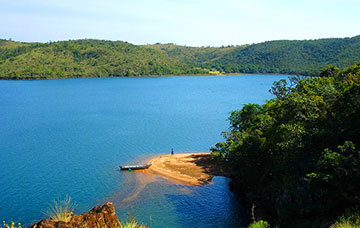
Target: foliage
{"points": [[61, 210], [298, 155], [78, 58], [131, 223], [12, 225], [259, 224], [291, 57], [349, 220], [329, 71], [333, 173], [101, 58]]}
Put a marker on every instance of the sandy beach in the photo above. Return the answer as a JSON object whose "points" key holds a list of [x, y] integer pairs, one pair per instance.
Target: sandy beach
{"points": [[188, 168]]}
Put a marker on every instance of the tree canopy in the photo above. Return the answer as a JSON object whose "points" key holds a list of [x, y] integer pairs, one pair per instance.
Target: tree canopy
{"points": [[298, 155], [101, 58]]}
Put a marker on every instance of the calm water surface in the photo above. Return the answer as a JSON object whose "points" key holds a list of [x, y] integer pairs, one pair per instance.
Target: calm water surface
{"points": [[68, 137]]}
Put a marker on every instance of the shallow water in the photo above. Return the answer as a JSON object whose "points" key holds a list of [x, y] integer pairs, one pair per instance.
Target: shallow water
{"points": [[69, 136]]}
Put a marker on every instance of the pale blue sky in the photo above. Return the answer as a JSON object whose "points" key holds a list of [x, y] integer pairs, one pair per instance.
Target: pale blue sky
{"points": [[186, 22]]}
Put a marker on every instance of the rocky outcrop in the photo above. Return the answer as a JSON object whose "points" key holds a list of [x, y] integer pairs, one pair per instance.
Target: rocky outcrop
{"points": [[98, 217]]}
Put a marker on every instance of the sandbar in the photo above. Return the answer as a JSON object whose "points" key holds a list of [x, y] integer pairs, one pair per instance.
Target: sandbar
{"points": [[189, 168]]}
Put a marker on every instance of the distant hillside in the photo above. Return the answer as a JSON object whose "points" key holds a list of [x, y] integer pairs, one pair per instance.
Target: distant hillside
{"points": [[307, 57], [84, 58], [99, 58]]}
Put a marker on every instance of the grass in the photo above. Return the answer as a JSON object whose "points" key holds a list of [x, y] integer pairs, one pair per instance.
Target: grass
{"points": [[61, 210], [131, 223], [348, 220], [259, 224]]}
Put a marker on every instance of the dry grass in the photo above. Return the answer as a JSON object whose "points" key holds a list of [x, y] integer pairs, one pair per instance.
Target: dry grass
{"points": [[61, 210], [132, 223]]}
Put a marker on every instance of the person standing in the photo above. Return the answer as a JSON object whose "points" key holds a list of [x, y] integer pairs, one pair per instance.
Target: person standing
{"points": [[172, 151]]}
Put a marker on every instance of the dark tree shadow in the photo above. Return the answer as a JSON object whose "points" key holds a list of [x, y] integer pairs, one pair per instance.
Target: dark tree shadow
{"points": [[212, 166]]}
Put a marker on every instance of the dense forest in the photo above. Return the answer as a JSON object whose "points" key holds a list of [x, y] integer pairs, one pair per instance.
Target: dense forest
{"points": [[100, 58], [297, 157]]}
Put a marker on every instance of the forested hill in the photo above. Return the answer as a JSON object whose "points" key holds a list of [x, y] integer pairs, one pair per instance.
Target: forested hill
{"points": [[99, 58], [297, 157]]}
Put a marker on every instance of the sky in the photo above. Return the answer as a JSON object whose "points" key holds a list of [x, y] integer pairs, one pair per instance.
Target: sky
{"points": [[183, 22]]}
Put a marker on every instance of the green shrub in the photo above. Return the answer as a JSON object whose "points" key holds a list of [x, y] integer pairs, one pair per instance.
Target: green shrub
{"points": [[349, 220], [259, 224], [131, 223]]}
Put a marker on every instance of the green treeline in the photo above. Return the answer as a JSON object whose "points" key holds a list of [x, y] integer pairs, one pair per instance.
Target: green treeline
{"points": [[83, 58], [100, 58], [297, 157]]}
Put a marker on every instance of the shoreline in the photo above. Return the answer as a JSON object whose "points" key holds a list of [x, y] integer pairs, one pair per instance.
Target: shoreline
{"points": [[194, 169], [139, 76]]}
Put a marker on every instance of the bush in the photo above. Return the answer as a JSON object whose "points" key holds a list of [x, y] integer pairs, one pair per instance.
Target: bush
{"points": [[259, 224], [131, 223], [349, 220]]}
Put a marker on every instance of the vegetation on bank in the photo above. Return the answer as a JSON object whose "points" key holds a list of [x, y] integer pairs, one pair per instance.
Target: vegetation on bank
{"points": [[297, 157], [259, 224], [100, 58], [132, 223], [11, 225], [349, 220], [62, 210]]}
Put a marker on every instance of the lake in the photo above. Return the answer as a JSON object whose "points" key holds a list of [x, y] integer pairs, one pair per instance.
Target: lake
{"points": [[68, 137]]}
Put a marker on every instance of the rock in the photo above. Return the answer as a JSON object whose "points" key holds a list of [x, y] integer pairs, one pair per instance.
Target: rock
{"points": [[98, 217]]}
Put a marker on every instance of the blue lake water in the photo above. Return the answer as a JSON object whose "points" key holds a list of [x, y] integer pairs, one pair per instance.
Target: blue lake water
{"points": [[69, 136]]}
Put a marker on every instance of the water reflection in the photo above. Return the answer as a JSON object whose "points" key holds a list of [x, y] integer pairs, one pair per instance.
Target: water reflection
{"points": [[156, 200]]}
